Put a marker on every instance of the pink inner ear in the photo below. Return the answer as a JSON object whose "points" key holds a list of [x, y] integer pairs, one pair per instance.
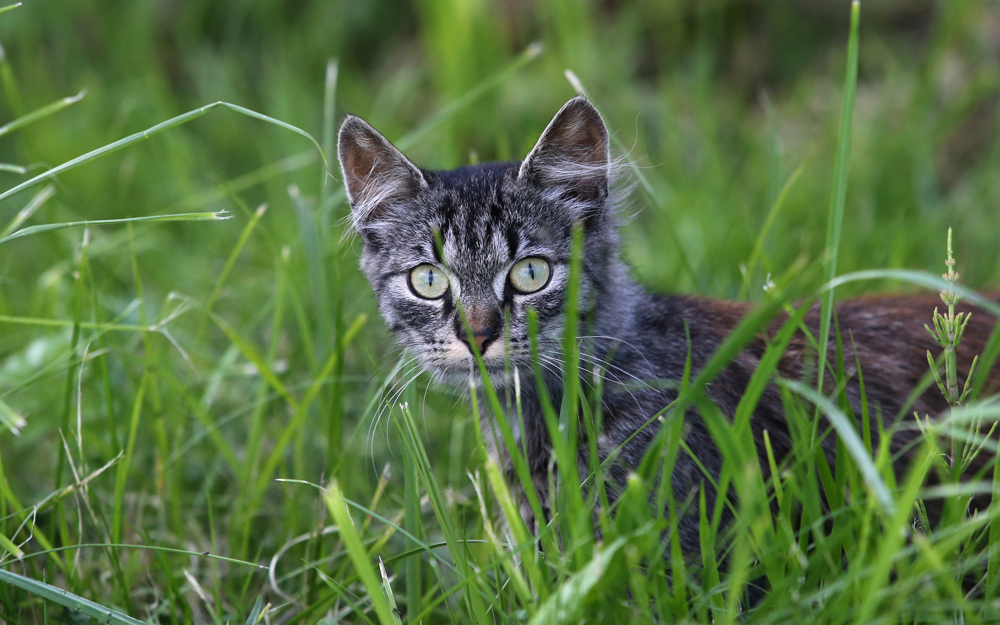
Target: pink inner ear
{"points": [[376, 173], [581, 139], [571, 158], [359, 163]]}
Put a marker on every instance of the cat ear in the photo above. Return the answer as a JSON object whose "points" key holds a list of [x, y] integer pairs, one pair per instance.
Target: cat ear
{"points": [[572, 156], [376, 174]]}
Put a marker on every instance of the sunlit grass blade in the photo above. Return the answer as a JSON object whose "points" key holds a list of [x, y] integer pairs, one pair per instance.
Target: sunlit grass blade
{"points": [[516, 523], [29, 209], [258, 611], [10, 419], [839, 195], [68, 600], [644, 184], [10, 7], [23, 232], [568, 603], [149, 132], [359, 556], [42, 113], [388, 593]]}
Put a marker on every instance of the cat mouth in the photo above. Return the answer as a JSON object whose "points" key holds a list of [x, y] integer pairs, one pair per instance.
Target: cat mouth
{"points": [[463, 372]]}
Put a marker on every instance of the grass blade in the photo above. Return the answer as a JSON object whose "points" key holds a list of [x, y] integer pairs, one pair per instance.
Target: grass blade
{"points": [[10, 419], [149, 132], [568, 603], [529, 54], [337, 506], [839, 197], [69, 600], [920, 278], [42, 113], [758, 246], [848, 434], [23, 232], [25, 213]]}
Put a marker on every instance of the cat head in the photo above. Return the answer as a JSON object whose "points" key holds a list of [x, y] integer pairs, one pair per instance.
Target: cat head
{"points": [[491, 240]]}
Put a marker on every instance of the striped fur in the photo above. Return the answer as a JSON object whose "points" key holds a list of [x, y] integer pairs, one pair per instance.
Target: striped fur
{"points": [[490, 216]]}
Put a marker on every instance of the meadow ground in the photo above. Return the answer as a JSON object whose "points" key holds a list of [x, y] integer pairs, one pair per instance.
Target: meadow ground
{"points": [[173, 391]]}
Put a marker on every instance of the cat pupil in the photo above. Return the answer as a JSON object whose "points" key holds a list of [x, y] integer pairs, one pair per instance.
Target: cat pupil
{"points": [[430, 277], [531, 271]]}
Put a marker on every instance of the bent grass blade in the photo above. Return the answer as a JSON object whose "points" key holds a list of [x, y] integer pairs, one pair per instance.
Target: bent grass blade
{"points": [[23, 232], [154, 130]]}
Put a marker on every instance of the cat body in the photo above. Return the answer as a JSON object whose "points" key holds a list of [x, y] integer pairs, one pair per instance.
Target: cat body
{"points": [[495, 240]]}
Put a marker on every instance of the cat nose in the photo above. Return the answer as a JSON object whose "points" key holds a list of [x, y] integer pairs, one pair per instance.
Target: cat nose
{"points": [[484, 327], [483, 338]]}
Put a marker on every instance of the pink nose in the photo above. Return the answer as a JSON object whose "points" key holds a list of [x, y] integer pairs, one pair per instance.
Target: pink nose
{"points": [[482, 337], [481, 340]]}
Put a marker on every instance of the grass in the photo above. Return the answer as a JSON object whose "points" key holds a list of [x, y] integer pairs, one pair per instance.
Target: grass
{"points": [[174, 393]]}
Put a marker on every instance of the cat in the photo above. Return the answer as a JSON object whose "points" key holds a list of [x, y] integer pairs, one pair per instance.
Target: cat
{"points": [[497, 238]]}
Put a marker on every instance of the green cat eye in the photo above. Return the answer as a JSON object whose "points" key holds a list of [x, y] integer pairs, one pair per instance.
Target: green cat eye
{"points": [[529, 275], [428, 281]]}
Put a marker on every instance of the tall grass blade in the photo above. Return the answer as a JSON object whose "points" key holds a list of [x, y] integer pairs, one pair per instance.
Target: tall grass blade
{"points": [[532, 52], [411, 436], [359, 557], [839, 195], [228, 267], [758, 246], [329, 131]]}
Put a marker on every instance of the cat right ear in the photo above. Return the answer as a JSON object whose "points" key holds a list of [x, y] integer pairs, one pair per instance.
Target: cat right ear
{"points": [[571, 158], [376, 175]]}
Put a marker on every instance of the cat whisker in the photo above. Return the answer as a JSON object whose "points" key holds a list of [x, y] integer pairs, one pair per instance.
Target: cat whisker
{"points": [[387, 410], [615, 339], [604, 372], [406, 365], [561, 366]]}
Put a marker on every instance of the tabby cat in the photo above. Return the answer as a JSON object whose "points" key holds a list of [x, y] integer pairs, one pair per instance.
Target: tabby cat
{"points": [[496, 239]]}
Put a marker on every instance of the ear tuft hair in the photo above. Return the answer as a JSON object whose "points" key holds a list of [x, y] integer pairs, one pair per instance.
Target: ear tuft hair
{"points": [[376, 174], [572, 159]]}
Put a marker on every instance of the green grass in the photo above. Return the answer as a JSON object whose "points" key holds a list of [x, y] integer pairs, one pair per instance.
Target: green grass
{"points": [[176, 389]]}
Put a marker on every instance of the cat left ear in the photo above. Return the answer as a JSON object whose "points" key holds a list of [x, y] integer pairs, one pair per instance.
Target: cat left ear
{"points": [[376, 174], [572, 157]]}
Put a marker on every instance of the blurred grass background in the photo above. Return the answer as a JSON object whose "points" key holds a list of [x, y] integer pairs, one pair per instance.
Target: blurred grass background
{"points": [[718, 101]]}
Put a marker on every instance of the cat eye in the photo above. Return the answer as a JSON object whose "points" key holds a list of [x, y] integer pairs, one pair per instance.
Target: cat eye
{"points": [[428, 281], [529, 275]]}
